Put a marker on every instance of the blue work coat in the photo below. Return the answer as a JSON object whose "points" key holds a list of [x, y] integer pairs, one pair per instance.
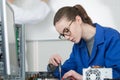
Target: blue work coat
{"points": [[105, 53]]}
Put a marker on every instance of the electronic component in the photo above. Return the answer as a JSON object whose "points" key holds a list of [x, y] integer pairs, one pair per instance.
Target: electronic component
{"points": [[40, 76]]}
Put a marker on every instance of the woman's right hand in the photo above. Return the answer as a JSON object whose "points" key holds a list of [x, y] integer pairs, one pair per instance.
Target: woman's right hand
{"points": [[55, 59]]}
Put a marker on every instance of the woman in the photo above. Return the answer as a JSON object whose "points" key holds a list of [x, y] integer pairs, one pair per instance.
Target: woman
{"points": [[94, 45]]}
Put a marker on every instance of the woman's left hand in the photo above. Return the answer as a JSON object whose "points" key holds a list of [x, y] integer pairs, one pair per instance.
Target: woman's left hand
{"points": [[72, 75]]}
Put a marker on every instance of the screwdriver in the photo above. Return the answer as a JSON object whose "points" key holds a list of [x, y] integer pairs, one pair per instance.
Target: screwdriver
{"points": [[60, 71]]}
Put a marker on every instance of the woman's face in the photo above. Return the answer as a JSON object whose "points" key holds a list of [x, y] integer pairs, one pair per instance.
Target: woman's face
{"points": [[71, 30]]}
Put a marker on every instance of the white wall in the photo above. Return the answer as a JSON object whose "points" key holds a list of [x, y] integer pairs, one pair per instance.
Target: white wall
{"points": [[42, 40], [40, 51]]}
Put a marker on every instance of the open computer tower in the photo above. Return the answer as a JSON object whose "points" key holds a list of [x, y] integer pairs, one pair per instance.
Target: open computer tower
{"points": [[11, 45]]}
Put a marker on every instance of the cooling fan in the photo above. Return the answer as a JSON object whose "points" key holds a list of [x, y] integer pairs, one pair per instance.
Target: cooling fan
{"points": [[97, 73]]}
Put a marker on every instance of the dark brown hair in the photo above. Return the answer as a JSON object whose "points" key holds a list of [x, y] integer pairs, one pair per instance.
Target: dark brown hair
{"points": [[71, 12]]}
